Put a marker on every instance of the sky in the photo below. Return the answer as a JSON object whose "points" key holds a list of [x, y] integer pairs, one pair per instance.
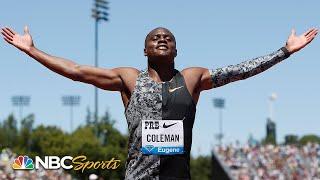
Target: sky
{"points": [[209, 34]]}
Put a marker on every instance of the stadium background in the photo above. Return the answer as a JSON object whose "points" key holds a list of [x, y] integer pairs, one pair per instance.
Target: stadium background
{"points": [[209, 34]]}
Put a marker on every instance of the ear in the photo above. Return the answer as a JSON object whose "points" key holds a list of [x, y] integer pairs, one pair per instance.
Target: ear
{"points": [[175, 53], [145, 52]]}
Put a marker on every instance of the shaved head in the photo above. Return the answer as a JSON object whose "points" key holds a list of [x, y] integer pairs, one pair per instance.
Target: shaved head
{"points": [[160, 44], [152, 32]]}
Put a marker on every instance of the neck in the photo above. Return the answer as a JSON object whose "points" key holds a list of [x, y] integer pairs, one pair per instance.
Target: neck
{"points": [[160, 72]]}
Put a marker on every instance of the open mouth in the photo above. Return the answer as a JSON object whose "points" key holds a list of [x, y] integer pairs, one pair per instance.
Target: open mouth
{"points": [[162, 47]]}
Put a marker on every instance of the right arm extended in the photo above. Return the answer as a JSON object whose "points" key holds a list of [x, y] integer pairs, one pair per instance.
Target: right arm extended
{"points": [[108, 79]]}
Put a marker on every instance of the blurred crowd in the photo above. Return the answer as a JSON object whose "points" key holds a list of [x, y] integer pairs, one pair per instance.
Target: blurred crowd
{"points": [[244, 162], [7, 173], [272, 162]]}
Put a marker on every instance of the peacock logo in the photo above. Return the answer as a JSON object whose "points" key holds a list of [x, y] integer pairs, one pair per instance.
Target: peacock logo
{"points": [[23, 162]]}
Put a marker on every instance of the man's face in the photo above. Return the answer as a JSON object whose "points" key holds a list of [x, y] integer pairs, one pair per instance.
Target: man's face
{"points": [[160, 42]]}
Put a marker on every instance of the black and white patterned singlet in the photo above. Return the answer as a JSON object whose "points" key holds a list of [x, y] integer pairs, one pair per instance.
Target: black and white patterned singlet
{"points": [[152, 100]]}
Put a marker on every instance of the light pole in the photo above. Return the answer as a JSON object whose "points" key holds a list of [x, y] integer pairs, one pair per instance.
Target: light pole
{"points": [[219, 104], [20, 101], [271, 123], [71, 101], [272, 98], [99, 13]]}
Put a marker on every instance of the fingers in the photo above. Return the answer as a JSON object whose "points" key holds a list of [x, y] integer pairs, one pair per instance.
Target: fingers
{"points": [[26, 30], [309, 31], [8, 40], [7, 32], [12, 31], [6, 35], [310, 39], [312, 34], [304, 34], [293, 32]]}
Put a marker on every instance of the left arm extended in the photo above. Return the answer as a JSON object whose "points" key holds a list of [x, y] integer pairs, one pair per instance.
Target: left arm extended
{"points": [[222, 76], [246, 69]]}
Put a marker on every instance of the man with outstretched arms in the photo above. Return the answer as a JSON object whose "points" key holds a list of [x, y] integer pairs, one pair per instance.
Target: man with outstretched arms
{"points": [[160, 101]]}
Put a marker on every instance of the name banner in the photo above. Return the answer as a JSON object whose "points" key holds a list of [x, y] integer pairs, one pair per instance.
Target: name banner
{"points": [[162, 137]]}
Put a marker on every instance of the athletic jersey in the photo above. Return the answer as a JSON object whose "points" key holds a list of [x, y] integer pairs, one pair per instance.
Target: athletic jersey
{"points": [[169, 100]]}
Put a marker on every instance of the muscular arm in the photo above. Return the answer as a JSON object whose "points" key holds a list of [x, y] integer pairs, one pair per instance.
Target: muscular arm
{"points": [[221, 76], [199, 79], [244, 70], [108, 79]]}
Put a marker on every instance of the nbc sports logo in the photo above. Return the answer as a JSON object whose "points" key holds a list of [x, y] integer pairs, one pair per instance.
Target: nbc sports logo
{"points": [[23, 162], [66, 162]]}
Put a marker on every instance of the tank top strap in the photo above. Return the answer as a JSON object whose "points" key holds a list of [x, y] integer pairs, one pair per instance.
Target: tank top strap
{"points": [[142, 79], [179, 79], [142, 75]]}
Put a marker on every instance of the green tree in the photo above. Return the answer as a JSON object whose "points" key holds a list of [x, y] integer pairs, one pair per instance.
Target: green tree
{"points": [[88, 117], [49, 140], [200, 168], [291, 139], [309, 138], [8, 133], [106, 119], [270, 139], [43, 141], [109, 143], [24, 135]]}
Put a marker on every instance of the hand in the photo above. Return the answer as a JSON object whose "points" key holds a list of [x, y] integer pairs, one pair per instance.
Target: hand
{"points": [[295, 43], [23, 42]]}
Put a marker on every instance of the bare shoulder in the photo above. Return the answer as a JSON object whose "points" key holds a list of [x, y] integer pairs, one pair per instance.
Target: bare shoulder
{"points": [[193, 71], [198, 78], [129, 70], [192, 77], [128, 75]]}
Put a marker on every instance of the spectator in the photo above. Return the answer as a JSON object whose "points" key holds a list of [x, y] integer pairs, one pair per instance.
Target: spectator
{"points": [[272, 162]]}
